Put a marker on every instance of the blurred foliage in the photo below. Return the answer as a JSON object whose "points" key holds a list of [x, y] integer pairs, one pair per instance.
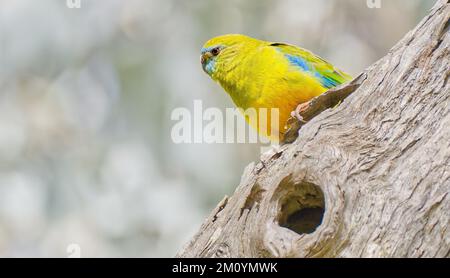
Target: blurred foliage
{"points": [[85, 100]]}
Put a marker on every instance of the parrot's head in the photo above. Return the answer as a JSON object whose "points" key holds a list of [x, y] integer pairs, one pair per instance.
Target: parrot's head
{"points": [[223, 53]]}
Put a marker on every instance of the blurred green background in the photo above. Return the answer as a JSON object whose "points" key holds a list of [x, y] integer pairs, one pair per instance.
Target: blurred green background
{"points": [[86, 95]]}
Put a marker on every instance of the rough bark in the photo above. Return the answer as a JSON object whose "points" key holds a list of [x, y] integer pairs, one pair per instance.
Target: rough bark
{"points": [[376, 168]]}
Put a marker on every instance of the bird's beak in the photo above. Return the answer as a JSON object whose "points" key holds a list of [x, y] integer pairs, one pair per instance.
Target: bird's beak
{"points": [[205, 56]]}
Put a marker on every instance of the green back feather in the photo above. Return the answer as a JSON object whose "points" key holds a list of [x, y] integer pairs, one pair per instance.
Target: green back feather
{"points": [[326, 73]]}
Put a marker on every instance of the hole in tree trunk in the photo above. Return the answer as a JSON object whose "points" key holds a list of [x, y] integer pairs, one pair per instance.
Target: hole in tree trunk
{"points": [[305, 220], [303, 208]]}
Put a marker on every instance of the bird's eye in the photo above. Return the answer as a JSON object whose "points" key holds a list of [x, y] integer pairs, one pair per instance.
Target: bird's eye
{"points": [[215, 51]]}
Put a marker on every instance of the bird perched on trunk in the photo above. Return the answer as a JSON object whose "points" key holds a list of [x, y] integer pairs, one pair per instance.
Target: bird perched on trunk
{"points": [[259, 74]]}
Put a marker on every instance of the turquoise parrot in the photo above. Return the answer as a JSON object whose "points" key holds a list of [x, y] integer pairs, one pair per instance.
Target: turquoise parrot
{"points": [[260, 74]]}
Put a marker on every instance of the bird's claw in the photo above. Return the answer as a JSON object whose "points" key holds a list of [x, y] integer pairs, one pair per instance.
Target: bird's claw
{"points": [[301, 108]]}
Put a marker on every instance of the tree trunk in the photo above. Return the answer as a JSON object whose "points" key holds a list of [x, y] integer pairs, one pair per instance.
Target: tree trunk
{"points": [[369, 178]]}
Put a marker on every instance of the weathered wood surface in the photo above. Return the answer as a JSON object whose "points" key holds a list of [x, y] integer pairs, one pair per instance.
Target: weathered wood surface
{"points": [[377, 167]]}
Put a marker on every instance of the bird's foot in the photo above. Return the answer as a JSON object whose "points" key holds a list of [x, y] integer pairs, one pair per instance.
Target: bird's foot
{"points": [[294, 123], [297, 113]]}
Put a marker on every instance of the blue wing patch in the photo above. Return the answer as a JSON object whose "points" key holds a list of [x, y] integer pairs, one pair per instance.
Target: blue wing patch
{"points": [[302, 64], [297, 61]]}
